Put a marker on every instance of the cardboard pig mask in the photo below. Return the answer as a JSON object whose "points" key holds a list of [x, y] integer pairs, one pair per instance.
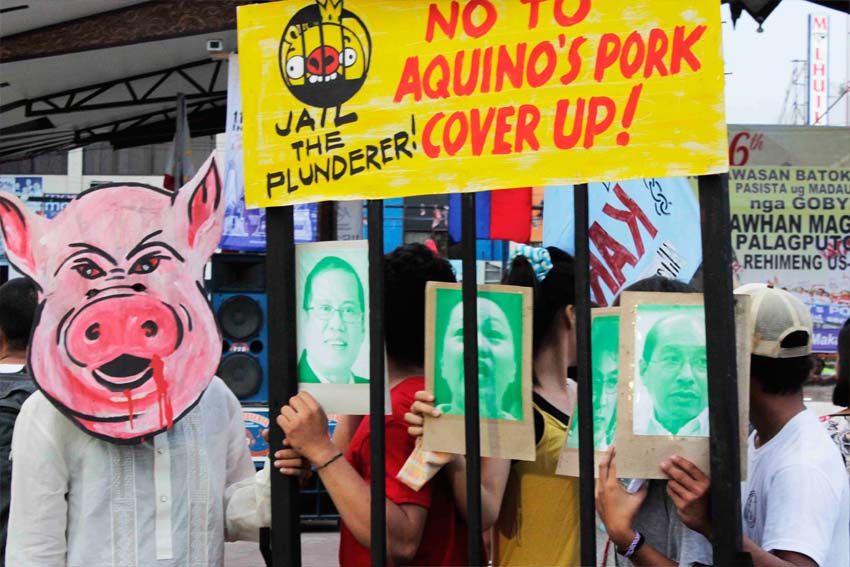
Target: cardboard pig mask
{"points": [[124, 341]]}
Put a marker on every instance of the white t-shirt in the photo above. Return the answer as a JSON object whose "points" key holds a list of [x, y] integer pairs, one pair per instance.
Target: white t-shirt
{"points": [[796, 497]]}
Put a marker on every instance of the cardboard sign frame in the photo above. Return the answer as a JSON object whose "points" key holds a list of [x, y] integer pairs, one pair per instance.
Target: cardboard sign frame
{"points": [[640, 456], [502, 438], [568, 462], [346, 399]]}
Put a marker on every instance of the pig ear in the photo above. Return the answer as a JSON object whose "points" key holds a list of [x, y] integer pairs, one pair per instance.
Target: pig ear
{"points": [[20, 229], [199, 203]]}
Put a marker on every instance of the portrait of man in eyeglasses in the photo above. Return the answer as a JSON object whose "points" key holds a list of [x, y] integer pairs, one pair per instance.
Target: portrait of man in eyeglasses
{"points": [[671, 392], [334, 308]]}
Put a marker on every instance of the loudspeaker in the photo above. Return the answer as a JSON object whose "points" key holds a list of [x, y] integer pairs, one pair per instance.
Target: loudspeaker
{"points": [[238, 297]]}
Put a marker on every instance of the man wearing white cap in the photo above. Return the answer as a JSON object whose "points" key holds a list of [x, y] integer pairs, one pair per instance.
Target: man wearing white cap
{"points": [[796, 499]]}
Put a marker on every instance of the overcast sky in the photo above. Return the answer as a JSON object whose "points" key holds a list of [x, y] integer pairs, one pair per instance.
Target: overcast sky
{"points": [[761, 63]]}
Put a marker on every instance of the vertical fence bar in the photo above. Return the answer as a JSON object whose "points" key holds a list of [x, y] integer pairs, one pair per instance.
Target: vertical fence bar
{"points": [[376, 382], [283, 374], [722, 370], [470, 371], [587, 500], [326, 220]]}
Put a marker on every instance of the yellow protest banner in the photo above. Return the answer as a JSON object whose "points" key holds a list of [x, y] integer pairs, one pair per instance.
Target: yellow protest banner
{"points": [[351, 99]]}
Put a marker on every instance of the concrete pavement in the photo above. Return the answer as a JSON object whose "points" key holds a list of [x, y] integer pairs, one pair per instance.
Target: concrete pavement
{"points": [[319, 549]]}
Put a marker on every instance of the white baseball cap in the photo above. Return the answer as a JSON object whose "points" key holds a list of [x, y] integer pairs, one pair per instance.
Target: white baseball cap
{"points": [[777, 314]]}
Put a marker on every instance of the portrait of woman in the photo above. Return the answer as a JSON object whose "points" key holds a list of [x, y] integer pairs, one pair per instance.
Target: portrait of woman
{"points": [[499, 354]]}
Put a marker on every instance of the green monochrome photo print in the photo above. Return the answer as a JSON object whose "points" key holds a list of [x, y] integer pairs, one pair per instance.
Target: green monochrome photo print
{"points": [[332, 295], [604, 371], [671, 386], [499, 354], [504, 369]]}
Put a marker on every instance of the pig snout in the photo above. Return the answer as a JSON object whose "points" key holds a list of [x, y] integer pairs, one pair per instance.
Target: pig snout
{"points": [[116, 337]]}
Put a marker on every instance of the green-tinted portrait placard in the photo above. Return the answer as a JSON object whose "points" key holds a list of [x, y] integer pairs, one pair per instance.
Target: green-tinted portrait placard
{"points": [[500, 333], [332, 331], [504, 325], [605, 347], [671, 386], [332, 319], [662, 407]]}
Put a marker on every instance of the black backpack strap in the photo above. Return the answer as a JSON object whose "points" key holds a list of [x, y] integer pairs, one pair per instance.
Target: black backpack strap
{"points": [[14, 390]]}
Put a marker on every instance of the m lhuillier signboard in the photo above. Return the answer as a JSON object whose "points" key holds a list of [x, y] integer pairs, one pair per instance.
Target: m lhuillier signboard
{"points": [[818, 69]]}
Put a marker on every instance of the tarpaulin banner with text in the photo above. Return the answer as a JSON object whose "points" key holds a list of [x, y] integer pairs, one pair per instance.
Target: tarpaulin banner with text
{"points": [[790, 203], [638, 228], [245, 229], [351, 99]]}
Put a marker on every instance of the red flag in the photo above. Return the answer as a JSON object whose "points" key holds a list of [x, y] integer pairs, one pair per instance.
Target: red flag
{"points": [[510, 214]]}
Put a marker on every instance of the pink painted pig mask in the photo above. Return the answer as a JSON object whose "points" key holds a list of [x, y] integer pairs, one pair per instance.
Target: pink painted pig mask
{"points": [[125, 342]]}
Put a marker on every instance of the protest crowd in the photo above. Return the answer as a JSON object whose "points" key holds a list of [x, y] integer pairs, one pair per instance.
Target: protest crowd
{"points": [[797, 493]]}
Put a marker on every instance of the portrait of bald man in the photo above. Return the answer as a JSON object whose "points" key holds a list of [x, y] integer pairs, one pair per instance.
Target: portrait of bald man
{"points": [[671, 387]]}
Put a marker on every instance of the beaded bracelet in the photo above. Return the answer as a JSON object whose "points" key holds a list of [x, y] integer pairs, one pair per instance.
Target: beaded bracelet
{"points": [[634, 546]]}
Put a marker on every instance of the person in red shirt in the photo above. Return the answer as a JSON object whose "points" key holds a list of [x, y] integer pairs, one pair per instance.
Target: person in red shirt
{"points": [[424, 527]]}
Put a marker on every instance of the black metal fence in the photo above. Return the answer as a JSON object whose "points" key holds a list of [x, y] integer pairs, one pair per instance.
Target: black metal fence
{"points": [[722, 377]]}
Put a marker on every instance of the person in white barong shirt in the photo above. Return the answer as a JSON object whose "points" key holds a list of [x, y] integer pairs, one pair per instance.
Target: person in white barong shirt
{"points": [[171, 501]]}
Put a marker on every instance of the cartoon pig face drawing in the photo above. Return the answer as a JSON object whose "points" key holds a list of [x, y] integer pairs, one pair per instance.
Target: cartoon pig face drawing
{"points": [[124, 341]]}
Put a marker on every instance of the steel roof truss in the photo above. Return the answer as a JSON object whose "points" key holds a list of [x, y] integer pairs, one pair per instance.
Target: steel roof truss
{"points": [[83, 135], [124, 92]]}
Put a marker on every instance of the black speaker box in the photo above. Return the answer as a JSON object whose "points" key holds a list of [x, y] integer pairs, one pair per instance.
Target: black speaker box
{"points": [[238, 297]]}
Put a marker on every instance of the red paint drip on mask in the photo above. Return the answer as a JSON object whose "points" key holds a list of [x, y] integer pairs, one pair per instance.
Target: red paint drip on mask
{"points": [[129, 395], [166, 415]]}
